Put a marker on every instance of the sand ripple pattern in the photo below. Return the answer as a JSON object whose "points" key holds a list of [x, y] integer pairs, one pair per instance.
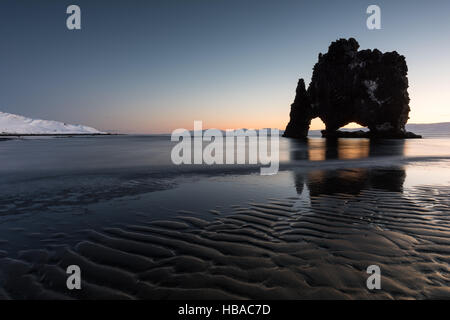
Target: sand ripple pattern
{"points": [[314, 248]]}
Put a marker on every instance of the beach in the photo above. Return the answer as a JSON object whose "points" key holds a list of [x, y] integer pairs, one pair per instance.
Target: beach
{"points": [[140, 227]]}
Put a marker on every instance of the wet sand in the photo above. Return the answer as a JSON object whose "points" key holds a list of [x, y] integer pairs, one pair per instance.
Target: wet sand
{"points": [[141, 228], [316, 247]]}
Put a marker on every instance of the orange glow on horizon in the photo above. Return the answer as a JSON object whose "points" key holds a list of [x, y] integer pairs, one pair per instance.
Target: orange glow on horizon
{"points": [[267, 117]]}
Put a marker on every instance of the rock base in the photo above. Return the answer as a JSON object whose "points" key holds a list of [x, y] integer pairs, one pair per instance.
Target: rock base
{"points": [[370, 135]]}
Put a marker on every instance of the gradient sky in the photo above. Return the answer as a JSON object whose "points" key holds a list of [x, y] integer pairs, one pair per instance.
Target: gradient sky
{"points": [[153, 66]]}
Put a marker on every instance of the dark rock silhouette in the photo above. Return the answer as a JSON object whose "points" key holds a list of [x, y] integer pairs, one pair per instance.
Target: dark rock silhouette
{"points": [[367, 87], [301, 113], [353, 181]]}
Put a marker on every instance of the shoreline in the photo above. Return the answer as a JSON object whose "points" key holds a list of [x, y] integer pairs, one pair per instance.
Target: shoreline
{"points": [[2, 135]]}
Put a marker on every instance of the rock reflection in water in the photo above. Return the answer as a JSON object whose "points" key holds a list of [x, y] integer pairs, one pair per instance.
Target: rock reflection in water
{"points": [[349, 181]]}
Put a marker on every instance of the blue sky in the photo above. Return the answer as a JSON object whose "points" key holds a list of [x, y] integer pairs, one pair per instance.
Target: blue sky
{"points": [[153, 66]]}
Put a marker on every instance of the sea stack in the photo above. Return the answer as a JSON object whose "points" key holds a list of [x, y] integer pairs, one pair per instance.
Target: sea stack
{"points": [[367, 87]]}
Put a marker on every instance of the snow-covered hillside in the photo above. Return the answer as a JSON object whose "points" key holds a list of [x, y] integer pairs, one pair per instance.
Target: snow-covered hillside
{"points": [[14, 124]]}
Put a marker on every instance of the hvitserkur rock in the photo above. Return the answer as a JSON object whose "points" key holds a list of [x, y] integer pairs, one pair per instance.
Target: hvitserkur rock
{"points": [[367, 87]]}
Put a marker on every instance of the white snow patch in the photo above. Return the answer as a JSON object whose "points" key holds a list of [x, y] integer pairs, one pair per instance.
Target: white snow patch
{"points": [[14, 124], [371, 86]]}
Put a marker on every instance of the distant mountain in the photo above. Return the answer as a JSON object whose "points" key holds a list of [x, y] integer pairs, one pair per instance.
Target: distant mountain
{"points": [[14, 124], [235, 132], [424, 129], [430, 129]]}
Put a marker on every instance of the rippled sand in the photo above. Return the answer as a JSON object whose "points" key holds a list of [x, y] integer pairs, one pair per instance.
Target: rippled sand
{"points": [[293, 248]]}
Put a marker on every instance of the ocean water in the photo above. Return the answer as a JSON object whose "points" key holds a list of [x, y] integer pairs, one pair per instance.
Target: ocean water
{"points": [[142, 227]]}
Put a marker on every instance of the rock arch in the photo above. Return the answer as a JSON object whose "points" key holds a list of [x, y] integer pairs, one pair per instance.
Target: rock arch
{"points": [[367, 87]]}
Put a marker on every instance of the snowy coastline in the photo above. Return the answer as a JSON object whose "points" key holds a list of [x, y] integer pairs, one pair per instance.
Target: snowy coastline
{"points": [[15, 125]]}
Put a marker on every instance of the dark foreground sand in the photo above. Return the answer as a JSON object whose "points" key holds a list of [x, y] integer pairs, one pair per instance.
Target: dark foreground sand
{"points": [[282, 249]]}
